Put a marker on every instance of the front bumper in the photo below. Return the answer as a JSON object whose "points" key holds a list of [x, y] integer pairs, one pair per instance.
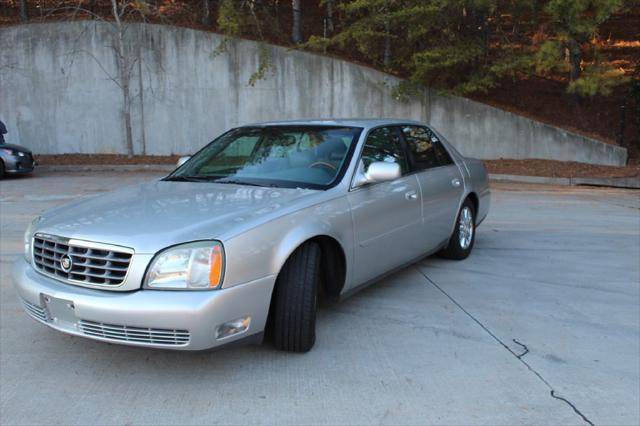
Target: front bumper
{"points": [[183, 320], [18, 164]]}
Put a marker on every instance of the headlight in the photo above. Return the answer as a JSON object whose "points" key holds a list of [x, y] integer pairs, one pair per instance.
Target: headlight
{"points": [[193, 266], [28, 236]]}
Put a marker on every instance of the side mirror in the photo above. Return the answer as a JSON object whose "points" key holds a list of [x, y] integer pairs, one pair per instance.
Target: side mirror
{"points": [[182, 160], [379, 171]]}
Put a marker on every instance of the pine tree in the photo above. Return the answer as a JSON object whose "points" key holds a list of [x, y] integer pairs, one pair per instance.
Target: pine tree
{"points": [[571, 46], [467, 46]]}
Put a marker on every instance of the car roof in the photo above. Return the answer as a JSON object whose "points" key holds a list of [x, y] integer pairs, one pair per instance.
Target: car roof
{"points": [[351, 122]]}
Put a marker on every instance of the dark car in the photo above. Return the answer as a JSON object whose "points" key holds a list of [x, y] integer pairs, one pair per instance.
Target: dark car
{"points": [[15, 159]]}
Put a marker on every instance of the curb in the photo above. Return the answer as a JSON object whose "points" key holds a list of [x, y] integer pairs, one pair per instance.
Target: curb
{"points": [[631, 183], [628, 182], [530, 179], [107, 168]]}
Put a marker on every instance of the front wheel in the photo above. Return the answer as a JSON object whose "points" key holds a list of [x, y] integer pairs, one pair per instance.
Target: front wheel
{"points": [[295, 300], [464, 233]]}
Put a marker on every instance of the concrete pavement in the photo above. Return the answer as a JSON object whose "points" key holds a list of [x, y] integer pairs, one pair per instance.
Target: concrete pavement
{"points": [[548, 301]]}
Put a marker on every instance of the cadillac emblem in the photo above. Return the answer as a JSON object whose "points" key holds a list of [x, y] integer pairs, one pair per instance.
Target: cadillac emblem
{"points": [[66, 263]]}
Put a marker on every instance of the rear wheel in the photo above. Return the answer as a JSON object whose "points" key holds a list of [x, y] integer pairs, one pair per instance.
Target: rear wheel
{"points": [[295, 300], [1, 169], [464, 234]]}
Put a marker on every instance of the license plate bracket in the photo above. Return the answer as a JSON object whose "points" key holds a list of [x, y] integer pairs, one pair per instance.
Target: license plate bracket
{"points": [[60, 311]]}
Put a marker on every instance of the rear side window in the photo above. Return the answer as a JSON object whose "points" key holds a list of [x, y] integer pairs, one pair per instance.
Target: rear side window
{"points": [[444, 159], [383, 144], [426, 148]]}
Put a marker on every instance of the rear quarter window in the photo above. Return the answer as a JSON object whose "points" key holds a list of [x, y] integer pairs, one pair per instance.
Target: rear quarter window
{"points": [[444, 159]]}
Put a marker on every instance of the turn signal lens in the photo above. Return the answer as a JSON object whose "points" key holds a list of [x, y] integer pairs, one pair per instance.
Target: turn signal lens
{"points": [[215, 273]]}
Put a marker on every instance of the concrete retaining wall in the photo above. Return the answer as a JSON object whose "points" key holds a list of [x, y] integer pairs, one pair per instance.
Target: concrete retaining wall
{"points": [[60, 92], [485, 132]]}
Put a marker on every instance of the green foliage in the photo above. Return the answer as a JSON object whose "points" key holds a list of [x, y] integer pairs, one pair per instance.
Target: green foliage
{"points": [[229, 18], [597, 80], [579, 19], [264, 65], [317, 43], [459, 46], [550, 57], [511, 65], [435, 64], [574, 25]]}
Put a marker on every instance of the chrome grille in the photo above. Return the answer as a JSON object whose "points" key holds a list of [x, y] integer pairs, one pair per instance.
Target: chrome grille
{"points": [[135, 334], [89, 265], [35, 311]]}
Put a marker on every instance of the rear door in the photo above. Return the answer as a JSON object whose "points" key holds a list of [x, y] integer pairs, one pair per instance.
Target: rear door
{"points": [[440, 181], [387, 216]]}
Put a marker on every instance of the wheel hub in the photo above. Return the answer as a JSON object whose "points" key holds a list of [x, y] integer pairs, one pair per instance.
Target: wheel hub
{"points": [[465, 228]]}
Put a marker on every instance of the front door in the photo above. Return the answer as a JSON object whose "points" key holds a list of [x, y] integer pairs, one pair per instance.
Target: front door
{"points": [[387, 216]]}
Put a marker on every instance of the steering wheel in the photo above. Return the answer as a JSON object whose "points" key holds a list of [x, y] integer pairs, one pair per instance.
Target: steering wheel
{"points": [[324, 164]]}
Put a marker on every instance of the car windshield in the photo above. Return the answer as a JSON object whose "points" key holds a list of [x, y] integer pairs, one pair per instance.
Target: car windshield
{"points": [[313, 157]]}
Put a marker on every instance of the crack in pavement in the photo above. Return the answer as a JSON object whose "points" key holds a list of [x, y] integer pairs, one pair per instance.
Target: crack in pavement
{"points": [[504, 345], [526, 349]]}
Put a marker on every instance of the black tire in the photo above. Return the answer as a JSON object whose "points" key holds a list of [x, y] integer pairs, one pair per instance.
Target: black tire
{"points": [[1, 169], [295, 300], [455, 249]]}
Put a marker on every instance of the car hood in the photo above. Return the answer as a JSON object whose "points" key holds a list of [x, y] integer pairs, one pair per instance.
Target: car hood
{"points": [[151, 216], [13, 147]]}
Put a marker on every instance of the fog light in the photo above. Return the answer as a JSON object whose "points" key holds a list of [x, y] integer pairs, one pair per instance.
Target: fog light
{"points": [[231, 328]]}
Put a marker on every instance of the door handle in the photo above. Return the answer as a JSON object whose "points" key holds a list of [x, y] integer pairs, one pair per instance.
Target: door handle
{"points": [[455, 182], [411, 195]]}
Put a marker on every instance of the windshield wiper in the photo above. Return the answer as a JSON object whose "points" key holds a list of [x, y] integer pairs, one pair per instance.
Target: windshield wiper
{"points": [[240, 182], [215, 179], [188, 179]]}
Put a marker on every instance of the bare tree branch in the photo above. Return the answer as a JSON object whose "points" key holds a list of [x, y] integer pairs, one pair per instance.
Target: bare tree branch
{"points": [[24, 17], [97, 61], [51, 11]]}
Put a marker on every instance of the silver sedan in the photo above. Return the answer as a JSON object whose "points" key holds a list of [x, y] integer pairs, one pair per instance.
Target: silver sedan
{"points": [[245, 235]]}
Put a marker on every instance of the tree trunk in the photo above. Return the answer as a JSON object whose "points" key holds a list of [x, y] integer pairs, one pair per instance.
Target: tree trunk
{"points": [[124, 65], [296, 35], [127, 118], [485, 37], [387, 44], [276, 14], [329, 17], [206, 13], [622, 123], [575, 60], [141, 99], [125, 86], [23, 11]]}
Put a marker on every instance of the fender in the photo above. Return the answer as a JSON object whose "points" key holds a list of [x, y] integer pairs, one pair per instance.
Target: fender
{"points": [[266, 248]]}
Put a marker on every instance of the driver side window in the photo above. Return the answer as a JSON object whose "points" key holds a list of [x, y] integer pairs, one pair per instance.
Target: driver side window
{"points": [[383, 144]]}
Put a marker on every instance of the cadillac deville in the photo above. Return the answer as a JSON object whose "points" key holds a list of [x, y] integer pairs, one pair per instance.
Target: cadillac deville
{"points": [[246, 234]]}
